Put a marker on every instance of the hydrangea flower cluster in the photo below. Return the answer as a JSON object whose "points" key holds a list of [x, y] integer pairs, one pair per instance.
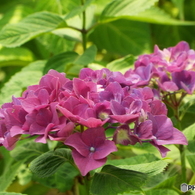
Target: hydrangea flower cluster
{"points": [[78, 112], [170, 69]]}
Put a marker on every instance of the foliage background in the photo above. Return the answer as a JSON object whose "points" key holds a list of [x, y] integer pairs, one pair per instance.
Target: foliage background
{"points": [[57, 37]]}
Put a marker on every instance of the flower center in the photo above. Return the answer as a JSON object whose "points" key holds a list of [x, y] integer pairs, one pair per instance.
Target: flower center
{"points": [[92, 149], [103, 115]]}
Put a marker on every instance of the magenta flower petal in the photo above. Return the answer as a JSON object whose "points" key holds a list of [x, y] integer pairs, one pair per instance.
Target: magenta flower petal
{"points": [[163, 150], [176, 138], [104, 150], [127, 118], [86, 164], [77, 143], [144, 130]]}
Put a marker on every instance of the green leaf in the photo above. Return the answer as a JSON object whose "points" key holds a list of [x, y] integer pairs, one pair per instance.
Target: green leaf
{"points": [[11, 193], [65, 62], [189, 132], [78, 10], [122, 64], [49, 162], [87, 57], [143, 158], [191, 146], [157, 16], [167, 183], [9, 174], [29, 150], [15, 56], [14, 14], [112, 180], [65, 173], [122, 37], [161, 192], [151, 169], [14, 35], [21, 80], [191, 160], [68, 33], [55, 44], [119, 8], [60, 61]]}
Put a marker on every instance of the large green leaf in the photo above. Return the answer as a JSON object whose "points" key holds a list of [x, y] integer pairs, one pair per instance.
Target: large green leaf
{"points": [[122, 37], [161, 192], [65, 173], [55, 44], [29, 75], [49, 162], [14, 14], [29, 150], [151, 169], [78, 10], [189, 132], [71, 62], [112, 180], [15, 56], [14, 35], [9, 175], [10, 193], [157, 16], [118, 8], [122, 64], [138, 159]]}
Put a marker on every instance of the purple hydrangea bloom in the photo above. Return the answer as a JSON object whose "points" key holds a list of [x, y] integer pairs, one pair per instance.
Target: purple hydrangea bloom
{"points": [[90, 149]]}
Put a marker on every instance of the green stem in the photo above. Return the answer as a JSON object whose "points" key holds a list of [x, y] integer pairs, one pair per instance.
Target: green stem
{"points": [[76, 187], [87, 184], [84, 31], [183, 163]]}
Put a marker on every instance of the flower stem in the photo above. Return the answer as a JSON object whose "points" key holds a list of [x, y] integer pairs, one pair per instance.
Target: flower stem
{"points": [[183, 163], [76, 187]]}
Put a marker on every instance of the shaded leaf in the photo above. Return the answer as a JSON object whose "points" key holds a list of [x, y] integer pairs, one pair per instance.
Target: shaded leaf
{"points": [[112, 180], [65, 173], [122, 37], [10, 193], [48, 163], [21, 80], [161, 192], [60, 61], [9, 175], [29, 150], [71, 62], [13, 35]]}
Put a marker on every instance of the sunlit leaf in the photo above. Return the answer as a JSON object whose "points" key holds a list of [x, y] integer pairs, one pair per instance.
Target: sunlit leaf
{"points": [[118, 8], [122, 64], [112, 180], [15, 56], [157, 16], [14, 35]]}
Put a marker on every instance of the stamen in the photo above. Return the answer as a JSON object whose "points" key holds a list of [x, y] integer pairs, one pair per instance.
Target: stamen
{"points": [[92, 149]]}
